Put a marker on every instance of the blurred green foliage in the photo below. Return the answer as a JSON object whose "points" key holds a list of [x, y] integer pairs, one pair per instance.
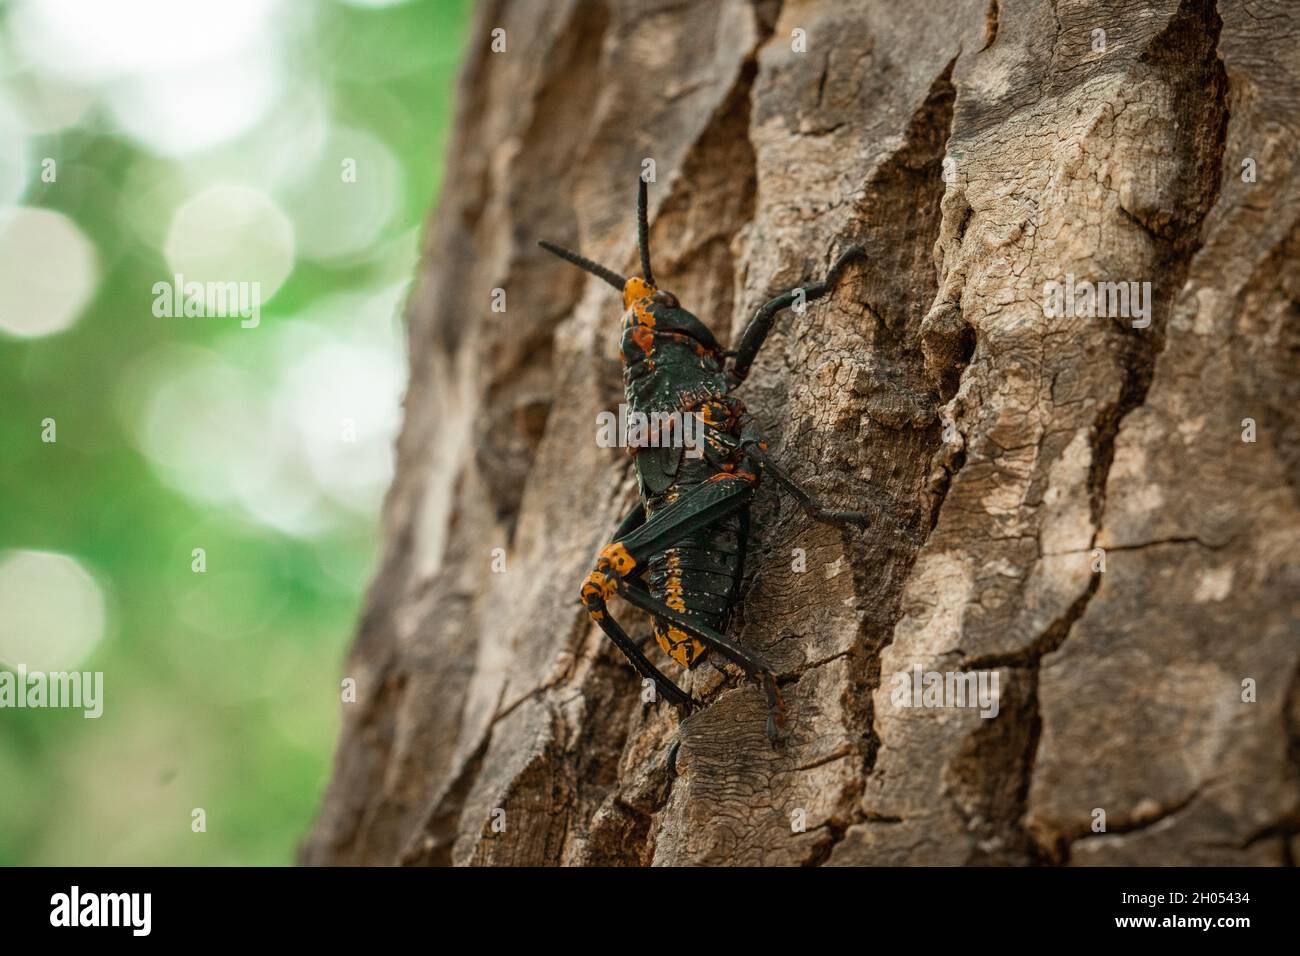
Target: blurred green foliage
{"points": [[238, 716]]}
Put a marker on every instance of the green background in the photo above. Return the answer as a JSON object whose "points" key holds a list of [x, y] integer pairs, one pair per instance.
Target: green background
{"points": [[222, 689]]}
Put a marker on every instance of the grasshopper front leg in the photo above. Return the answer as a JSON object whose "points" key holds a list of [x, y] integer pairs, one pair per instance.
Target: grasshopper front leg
{"points": [[756, 450], [751, 340]]}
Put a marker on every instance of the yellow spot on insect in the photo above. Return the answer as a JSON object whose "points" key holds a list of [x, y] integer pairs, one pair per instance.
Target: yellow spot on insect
{"points": [[716, 413], [597, 588], [679, 645], [616, 556], [673, 587], [637, 301], [636, 288]]}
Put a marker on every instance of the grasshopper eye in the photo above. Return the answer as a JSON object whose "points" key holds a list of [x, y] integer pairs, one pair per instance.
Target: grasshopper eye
{"points": [[666, 298]]}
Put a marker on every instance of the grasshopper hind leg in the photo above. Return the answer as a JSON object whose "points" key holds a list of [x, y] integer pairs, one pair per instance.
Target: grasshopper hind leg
{"points": [[618, 571], [595, 597], [751, 662], [595, 594]]}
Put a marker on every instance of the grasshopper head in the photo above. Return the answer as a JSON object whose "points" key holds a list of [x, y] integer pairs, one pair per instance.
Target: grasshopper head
{"points": [[645, 305]]}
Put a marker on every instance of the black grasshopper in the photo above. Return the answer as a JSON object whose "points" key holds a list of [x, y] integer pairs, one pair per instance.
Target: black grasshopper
{"points": [[680, 552]]}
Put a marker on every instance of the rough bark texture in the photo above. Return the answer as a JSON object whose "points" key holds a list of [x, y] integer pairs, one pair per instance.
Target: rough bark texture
{"points": [[1013, 443]]}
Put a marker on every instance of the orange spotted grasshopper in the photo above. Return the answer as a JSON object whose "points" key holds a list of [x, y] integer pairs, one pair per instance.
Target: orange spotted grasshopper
{"points": [[680, 553]]}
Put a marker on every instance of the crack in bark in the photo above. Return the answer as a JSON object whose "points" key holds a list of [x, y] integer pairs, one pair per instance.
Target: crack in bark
{"points": [[927, 134], [1048, 641], [1154, 543], [1134, 825]]}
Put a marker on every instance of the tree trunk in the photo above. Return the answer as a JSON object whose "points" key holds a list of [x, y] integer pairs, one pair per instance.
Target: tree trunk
{"points": [[1075, 504]]}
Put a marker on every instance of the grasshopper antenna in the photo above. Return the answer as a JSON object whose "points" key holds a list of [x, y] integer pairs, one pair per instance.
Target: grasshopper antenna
{"points": [[582, 262], [643, 231]]}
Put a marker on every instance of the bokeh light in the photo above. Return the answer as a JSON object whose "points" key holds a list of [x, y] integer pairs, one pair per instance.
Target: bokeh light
{"points": [[91, 40], [198, 418], [53, 611], [176, 76], [343, 202], [195, 109], [51, 104], [47, 272], [230, 233]]}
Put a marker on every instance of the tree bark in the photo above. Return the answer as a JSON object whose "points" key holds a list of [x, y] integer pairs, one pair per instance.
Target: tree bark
{"points": [[1069, 503]]}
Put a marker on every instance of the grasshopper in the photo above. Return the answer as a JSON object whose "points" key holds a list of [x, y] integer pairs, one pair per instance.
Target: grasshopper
{"points": [[680, 552]]}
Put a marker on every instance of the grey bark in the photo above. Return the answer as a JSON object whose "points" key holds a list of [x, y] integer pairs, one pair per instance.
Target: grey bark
{"points": [[1014, 444]]}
